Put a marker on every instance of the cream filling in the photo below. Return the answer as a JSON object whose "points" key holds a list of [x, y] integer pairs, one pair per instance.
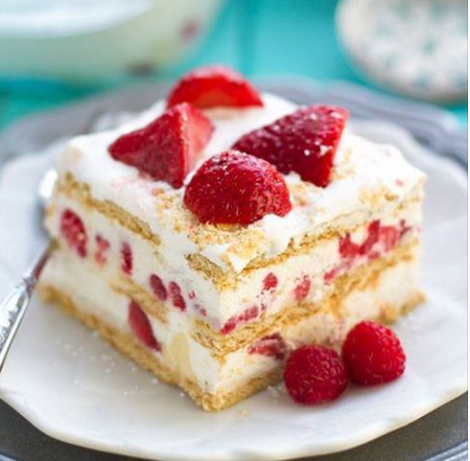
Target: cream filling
{"points": [[202, 298], [362, 169], [189, 359], [183, 355]]}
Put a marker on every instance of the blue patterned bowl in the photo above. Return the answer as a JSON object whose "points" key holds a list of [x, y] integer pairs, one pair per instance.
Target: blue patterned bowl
{"points": [[415, 47]]}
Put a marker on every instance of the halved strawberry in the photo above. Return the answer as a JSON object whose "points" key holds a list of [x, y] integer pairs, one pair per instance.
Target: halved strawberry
{"points": [[214, 86], [236, 188], [166, 149], [305, 142]]}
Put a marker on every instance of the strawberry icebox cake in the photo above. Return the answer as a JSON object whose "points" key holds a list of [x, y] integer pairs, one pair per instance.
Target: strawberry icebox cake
{"points": [[223, 229]]}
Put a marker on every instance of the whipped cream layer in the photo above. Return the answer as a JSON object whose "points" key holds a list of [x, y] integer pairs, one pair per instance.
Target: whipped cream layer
{"points": [[184, 356], [305, 277], [368, 179], [188, 359]]}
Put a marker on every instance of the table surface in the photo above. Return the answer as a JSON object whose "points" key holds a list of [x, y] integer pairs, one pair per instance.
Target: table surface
{"points": [[258, 37]]}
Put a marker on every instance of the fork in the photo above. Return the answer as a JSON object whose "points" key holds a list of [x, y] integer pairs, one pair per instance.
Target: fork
{"points": [[14, 306]]}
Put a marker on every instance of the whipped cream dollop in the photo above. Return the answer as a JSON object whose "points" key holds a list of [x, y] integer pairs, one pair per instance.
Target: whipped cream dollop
{"points": [[366, 177]]}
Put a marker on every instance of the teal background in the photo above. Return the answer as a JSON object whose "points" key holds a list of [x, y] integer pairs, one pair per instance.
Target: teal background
{"points": [[258, 37]]}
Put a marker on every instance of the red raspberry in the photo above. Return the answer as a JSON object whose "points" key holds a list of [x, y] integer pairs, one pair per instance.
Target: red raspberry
{"points": [[102, 246], [269, 346], [373, 354], [314, 374], [235, 188], [176, 296], [244, 317], [305, 142], [214, 86], [74, 232], [140, 326], [167, 149], [303, 288], [270, 282], [126, 258], [158, 287]]}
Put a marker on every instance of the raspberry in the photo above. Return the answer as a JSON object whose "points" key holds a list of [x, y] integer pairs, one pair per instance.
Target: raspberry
{"points": [[237, 320], [74, 232], [140, 326], [126, 258], [176, 296], [167, 149], [314, 374], [270, 282], [302, 289], [235, 188], [214, 86], [158, 287], [373, 354], [269, 346], [305, 142], [102, 246]]}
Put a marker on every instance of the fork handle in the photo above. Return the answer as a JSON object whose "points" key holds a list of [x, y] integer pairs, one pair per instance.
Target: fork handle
{"points": [[12, 311], [13, 307]]}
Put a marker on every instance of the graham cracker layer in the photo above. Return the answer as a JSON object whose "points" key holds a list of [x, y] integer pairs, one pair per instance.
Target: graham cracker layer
{"points": [[80, 192], [243, 241], [131, 348]]}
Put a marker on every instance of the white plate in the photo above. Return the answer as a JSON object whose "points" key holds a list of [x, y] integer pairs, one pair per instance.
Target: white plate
{"points": [[72, 386]]}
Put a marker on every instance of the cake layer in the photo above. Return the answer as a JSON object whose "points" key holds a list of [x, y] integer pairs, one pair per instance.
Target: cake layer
{"points": [[367, 180], [212, 380], [304, 274]]}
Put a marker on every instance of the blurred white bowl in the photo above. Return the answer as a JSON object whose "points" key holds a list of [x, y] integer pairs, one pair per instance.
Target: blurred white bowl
{"points": [[96, 39]]}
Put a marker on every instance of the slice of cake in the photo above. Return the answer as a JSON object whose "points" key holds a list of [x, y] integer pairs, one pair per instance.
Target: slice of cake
{"points": [[221, 228]]}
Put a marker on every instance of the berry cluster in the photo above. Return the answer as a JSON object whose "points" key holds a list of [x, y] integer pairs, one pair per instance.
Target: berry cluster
{"points": [[244, 184], [371, 354]]}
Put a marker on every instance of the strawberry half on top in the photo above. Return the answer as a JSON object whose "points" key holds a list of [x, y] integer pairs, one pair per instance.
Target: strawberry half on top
{"points": [[304, 141], [167, 149], [236, 188], [214, 86]]}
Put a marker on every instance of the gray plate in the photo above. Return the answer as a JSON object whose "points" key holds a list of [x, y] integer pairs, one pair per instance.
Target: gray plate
{"points": [[441, 435]]}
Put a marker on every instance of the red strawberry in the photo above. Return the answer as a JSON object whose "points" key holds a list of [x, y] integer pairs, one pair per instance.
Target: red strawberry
{"points": [[74, 232], [140, 326], [214, 86], [305, 142], [168, 148], [235, 188]]}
